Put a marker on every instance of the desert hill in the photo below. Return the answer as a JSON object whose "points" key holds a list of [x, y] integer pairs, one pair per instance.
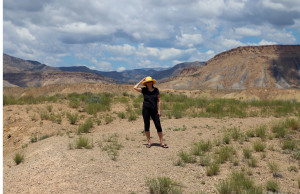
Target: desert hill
{"points": [[26, 73], [275, 66]]}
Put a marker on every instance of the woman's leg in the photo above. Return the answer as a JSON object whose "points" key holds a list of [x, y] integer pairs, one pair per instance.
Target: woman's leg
{"points": [[156, 120], [146, 117]]}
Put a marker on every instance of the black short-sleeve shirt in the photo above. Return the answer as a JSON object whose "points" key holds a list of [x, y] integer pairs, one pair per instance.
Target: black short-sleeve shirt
{"points": [[150, 98]]}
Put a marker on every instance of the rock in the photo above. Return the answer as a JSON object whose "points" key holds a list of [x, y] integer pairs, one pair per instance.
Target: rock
{"points": [[277, 175]]}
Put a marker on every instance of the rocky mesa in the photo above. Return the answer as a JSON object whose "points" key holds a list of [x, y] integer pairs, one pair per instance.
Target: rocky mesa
{"points": [[274, 66]]}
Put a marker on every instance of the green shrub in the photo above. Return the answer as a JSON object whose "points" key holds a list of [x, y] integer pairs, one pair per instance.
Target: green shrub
{"points": [[226, 138], [132, 117], [49, 108], [225, 153], [74, 103], [272, 185], [205, 160], [279, 130], [235, 133], [72, 118], [273, 166], [163, 185], [121, 115], [261, 131], [19, 158], [296, 155], [85, 127], [293, 168], [113, 146], [186, 157], [97, 103], [179, 162], [108, 119], [289, 144], [83, 142], [250, 133], [45, 136], [247, 153], [259, 146], [202, 146], [238, 182], [177, 114], [252, 162], [44, 115], [34, 139], [213, 169], [292, 123]]}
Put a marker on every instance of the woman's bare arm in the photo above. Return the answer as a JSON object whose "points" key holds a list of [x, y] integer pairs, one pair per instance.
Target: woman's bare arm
{"points": [[159, 106], [137, 88]]}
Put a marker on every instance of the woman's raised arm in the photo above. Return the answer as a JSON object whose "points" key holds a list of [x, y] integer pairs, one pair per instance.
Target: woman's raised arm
{"points": [[137, 88]]}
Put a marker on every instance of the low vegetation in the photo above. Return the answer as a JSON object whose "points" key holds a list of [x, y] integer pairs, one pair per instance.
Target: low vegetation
{"points": [[111, 145], [84, 142], [174, 106], [19, 158], [238, 182], [163, 185]]}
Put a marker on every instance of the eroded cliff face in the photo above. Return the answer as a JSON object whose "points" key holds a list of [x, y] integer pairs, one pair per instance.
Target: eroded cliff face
{"points": [[276, 66], [37, 79]]}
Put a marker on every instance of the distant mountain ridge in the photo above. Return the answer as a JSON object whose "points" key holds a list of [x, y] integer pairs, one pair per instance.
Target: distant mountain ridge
{"points": [[28, 73], [272, 66]]}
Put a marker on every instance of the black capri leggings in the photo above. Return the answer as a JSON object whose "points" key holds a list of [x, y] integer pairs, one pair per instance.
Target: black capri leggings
{"points": [[147, 112]]}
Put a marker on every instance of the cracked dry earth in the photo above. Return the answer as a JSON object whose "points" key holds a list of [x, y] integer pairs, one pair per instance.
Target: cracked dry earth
{"points": [[50, 166]]}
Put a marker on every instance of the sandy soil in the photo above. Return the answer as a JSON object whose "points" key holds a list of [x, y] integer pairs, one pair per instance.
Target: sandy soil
{"points": [[50, 166]]}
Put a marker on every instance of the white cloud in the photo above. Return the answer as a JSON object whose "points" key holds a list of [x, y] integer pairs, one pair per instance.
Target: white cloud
{"points": [[124, 50], [243, 31], [120, 69], [189, 40], [264, 42], [102, 65]]}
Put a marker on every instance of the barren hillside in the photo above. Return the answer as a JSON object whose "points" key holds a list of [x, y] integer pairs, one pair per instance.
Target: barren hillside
{"points": [[276, 66]]}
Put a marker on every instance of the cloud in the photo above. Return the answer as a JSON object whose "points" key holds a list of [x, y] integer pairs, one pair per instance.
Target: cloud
{"points": [[264, 42], [120, 69], [102, 65], [123, 50], [244, 31], [130, 33], [189, 40]]}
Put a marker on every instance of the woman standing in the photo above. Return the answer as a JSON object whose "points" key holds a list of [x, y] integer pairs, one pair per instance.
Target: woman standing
{"points": [[150, 109]]}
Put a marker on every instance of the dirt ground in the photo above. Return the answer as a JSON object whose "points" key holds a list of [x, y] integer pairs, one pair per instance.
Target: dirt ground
{"points": [[50, 166]]}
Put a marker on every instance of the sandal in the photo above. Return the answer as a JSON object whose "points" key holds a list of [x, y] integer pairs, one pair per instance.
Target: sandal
{"points": [[148, 146], [164, 146]]}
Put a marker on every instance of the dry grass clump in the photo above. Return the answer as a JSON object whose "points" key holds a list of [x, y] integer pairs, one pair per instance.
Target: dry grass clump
{"points": [[73, 118], [272, 185], [19, 158], [111, 145], [238, 182], [84, 142], [86, 126], [163, 185]]}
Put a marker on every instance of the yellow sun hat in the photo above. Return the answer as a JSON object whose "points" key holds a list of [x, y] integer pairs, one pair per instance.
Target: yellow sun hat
{"points": [[149, 79]]}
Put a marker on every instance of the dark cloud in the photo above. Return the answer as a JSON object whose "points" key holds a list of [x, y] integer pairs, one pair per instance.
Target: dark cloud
{"points": [[257, 13]]}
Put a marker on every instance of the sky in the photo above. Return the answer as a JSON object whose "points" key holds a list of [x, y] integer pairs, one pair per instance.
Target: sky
{"points": [[118, 35]]}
